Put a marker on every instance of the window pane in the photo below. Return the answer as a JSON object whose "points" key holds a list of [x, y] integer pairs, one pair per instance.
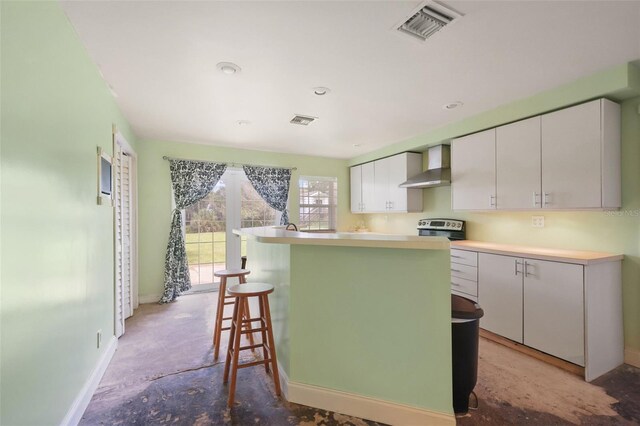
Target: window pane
{"points": [[318, 203]]}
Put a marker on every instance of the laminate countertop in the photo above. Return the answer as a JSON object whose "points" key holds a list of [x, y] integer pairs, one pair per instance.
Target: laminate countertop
{"points": [[276, 235], [558, 255]]}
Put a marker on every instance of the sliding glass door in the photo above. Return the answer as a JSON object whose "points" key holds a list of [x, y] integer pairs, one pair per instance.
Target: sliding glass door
{"points": [[210, 242]]}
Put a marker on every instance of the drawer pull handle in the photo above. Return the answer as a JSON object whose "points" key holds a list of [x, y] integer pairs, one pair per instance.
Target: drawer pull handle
{"points": [[455, 270], [457, 257], [456, 285]]}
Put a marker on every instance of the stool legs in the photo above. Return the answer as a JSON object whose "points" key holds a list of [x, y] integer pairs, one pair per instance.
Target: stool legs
{"points": [[272, 343], [247, 312], [263, 325], [268, 344], [234, 345], [217, 327], [232, 341]]}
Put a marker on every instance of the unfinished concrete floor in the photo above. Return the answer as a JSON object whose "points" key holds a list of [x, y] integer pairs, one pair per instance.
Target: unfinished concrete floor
{"points": [[163, 373]]}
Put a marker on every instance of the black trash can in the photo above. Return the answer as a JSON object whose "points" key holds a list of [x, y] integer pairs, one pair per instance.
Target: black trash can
{"points": [[465, 323]]}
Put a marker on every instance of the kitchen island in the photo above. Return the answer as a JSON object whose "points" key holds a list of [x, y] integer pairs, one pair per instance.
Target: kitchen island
{"points": [[362, 321]]}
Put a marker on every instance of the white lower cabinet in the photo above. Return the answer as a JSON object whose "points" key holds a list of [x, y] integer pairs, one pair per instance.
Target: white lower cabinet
{"points": [[554, 309], [500, 294], [572, 311], [464, 274]]}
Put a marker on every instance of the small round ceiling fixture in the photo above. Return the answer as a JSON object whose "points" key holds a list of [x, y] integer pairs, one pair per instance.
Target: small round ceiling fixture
{"points": [[243, 122], [321, 91], [452, 105], [228, 67]]}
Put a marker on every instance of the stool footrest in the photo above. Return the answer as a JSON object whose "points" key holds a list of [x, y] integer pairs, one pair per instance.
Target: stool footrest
{"points": [[251, 364], [246, 348], [229, 303], [253, 330]]}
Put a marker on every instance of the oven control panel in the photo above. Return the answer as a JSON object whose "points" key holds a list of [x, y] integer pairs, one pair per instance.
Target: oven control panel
{"points": [[441, 224]]}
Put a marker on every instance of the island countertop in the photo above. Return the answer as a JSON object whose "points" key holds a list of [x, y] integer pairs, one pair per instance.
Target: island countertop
{"points": [[270, 234]]}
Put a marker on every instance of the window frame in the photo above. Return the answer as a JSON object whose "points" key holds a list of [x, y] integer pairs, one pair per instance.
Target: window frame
{"points": [[331, 206]]}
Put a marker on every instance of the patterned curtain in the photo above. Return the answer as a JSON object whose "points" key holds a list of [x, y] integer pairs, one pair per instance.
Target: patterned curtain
{"points": [[192, 181], [272, 184]]}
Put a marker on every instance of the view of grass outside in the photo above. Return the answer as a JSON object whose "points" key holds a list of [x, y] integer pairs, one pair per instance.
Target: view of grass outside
{"points": [[205, 228]]}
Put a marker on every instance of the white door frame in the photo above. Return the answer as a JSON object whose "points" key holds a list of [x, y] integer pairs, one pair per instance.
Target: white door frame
{"points": [[121, 144]]}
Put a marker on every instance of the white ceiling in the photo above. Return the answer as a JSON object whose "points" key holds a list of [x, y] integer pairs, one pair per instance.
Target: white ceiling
{"points": [[160, 59]]}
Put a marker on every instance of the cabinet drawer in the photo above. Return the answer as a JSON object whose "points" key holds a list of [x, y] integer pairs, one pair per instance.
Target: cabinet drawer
{"points": [[464, 257], [464, 271], [464, 286]]}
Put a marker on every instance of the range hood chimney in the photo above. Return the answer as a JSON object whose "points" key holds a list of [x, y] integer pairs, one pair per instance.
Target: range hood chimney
{"points": [[438, 172]]}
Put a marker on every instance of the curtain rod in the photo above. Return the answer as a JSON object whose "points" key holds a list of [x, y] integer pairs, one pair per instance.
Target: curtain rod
{"points": [[229, 164]]}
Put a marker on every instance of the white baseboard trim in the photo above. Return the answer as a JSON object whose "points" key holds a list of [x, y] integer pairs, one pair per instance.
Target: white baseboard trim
{"points": [[361, 406], [84, 397], [284, 382], [149, 298], [632, 357]]}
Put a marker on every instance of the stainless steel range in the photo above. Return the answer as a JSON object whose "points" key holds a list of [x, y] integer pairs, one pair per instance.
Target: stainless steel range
{"points": [[453, 229]]}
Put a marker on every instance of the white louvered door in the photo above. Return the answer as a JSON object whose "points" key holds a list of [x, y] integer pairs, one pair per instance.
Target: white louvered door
{"points": [[124, 202]]}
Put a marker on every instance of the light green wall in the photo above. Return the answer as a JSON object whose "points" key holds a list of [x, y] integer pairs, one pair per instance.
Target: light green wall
{"points": [[374, 322], [616, 232], [57, 243], [155, 194], [618, 83], [368, 321]]}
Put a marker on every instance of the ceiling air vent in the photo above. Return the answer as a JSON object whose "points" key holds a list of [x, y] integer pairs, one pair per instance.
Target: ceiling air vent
{"points": [[426, 20], [303, 120]]}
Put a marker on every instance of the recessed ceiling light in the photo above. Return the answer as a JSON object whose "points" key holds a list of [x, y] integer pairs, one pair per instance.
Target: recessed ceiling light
{"points": [[243, 122], [321, 91], [228, 67], [452, 105]]}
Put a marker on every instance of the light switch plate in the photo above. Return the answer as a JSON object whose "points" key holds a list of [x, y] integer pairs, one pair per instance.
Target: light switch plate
{"points": [[537, 221]]}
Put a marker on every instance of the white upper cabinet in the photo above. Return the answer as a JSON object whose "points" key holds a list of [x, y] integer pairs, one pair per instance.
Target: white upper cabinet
{"points": [[581, 157], [368, 187], [518, 169], [356, 189], [473, 171], [567, 159], [362, 187], [377, 183], [381, 179]]}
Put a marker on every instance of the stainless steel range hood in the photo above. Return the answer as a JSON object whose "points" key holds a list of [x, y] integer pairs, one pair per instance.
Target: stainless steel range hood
{"points": [[438, 172]]}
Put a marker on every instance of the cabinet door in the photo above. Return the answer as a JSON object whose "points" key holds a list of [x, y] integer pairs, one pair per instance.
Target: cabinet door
{"points": [[400, 168], [473, 171], [500, 294], [518, 179], [368, 187], [356, 189], [554, 309], [381, 183], [397, 173], [571, 170]]}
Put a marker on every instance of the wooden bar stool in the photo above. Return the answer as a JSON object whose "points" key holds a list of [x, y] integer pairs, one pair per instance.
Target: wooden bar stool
{"points": [[224, 300], [241, 293]]}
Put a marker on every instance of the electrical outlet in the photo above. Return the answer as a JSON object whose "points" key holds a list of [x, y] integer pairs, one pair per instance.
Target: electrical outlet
{"points": [[537, 221], [99, 338]]}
